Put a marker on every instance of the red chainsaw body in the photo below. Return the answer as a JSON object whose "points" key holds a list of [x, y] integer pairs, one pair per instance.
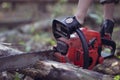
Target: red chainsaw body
{"points": [[75, 51]]}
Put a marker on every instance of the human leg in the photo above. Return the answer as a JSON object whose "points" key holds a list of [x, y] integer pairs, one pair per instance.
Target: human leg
{"points": [[82, 9], [108, 11], [108, 24]]}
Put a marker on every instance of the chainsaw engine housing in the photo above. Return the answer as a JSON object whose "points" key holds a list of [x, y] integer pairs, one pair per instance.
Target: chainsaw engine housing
{"points": [[73, 51], [80, 46]]}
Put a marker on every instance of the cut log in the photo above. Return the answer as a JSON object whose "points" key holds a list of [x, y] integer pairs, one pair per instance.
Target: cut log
{"points": [[50, 70], [110, 66]]}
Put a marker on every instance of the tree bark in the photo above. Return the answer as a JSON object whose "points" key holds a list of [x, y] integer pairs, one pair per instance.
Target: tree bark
{"points": [[51, 70], [110, 66]]}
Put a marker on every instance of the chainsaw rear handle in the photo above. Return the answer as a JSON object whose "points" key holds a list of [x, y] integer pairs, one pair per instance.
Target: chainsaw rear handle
{"points": [[65, 28], [110, 43]]}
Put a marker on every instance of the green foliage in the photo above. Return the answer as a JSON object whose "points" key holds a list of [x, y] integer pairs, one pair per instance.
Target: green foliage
{"points": [[58, 9], [62, 1], [98, 10], [28, 48], [118, 57], [32, 29], [116, 29], [97, 13], [115, 36], [16, 76], [44, 38], [22, 42], [6, 5], [107, 50], [97, 18], [117, 77], [52, 42]]}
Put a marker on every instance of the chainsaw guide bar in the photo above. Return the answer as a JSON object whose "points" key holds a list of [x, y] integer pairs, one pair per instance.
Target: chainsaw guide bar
{"points": [[24, 60]]}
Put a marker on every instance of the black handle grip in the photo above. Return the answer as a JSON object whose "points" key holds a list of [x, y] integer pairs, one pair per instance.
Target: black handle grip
{"points": [[110, 43]]}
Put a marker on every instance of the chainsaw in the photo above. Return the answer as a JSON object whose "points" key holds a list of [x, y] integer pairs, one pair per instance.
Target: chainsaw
{"points": [[78, 45]]}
